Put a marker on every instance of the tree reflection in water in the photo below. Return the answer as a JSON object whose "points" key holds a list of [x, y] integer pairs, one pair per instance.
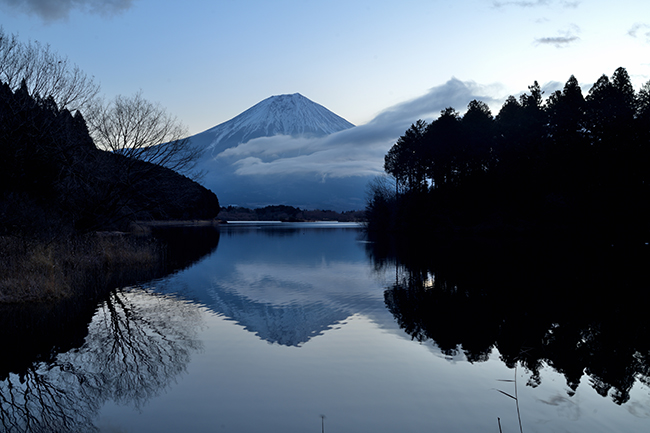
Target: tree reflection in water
{"points": [[138, 342], [579, 310]]}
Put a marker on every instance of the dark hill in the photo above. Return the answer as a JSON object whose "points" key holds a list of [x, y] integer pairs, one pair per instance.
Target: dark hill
{"points": [[53, 178]]}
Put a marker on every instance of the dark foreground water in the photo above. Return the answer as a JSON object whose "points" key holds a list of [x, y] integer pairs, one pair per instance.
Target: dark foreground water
{"points": [[305, 327]]}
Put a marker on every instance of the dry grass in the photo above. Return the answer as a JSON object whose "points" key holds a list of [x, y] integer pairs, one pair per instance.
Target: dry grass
{"points": [[42, 271]]}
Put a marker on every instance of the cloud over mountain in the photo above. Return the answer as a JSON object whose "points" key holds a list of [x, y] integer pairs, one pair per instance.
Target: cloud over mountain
{"points": [[260, 157], [357, 151]]}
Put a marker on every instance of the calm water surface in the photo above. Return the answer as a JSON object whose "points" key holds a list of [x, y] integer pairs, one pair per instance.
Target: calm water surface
{"points": [[280, 326]]}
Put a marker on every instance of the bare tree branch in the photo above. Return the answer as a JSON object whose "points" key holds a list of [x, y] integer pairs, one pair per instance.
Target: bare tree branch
{"points": [[45, 73], [142, 130]]}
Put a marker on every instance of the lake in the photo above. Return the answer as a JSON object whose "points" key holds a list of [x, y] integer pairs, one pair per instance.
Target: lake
{"points": [[311, 327]]}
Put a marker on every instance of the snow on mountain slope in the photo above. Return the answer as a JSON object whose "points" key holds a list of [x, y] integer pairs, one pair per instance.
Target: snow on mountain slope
{"points": [[292, 115], [282, 151]]}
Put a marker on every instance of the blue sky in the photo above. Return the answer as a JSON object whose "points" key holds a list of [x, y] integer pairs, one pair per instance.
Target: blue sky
{"points": [[207, 61]]}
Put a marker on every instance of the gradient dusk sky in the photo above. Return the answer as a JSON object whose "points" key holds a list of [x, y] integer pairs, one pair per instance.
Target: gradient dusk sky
{"points": [[207, 61]]}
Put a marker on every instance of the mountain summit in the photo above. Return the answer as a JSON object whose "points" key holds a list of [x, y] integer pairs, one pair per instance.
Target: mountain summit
{"points": [[292, 115], [283, 150]]}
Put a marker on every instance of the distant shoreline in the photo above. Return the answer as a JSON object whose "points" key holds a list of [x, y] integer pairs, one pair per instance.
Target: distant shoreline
{"points": [[284, 213]]}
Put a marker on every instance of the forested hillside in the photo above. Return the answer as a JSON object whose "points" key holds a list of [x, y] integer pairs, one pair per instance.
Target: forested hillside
{"points": [[54, 179], [567, 165]]}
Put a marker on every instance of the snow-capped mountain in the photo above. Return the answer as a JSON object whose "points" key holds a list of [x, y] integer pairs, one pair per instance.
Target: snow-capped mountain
{"points": [[291, 115], [287, 150], [287, 325]]}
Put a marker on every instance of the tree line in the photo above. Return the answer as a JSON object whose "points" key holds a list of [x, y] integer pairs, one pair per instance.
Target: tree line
{"points": [[286, 213], [537, 165]]}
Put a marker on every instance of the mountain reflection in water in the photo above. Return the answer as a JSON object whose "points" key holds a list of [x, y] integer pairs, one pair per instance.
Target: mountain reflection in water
{"points": [[266, 328], [284, 284]]}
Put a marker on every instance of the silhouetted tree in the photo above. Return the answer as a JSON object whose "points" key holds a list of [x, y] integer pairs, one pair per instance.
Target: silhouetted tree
{"points": [[406, 162], [141, 130], [569, 161], [566, 111], [444, 148], [478, 137], [46, 160], [510, 131], [44, 73], [381, 205], [643, 103], [567, 146], [521, 130], [642, 128], [610, 108]]}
